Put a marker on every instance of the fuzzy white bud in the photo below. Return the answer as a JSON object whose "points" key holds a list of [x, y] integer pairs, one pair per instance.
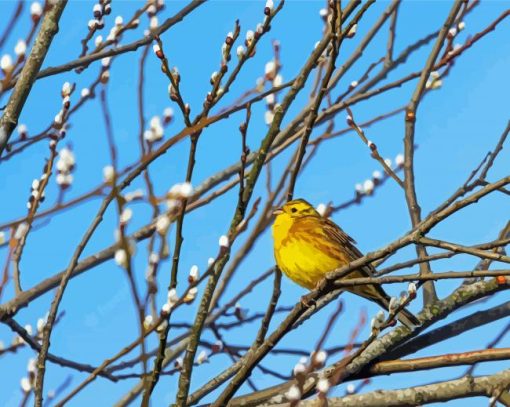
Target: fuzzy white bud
{"points": [[153, 23], [134, 195], [321, 208], [108, 174], [66, 89], [66, 156], [270, 68], [172, 204], [219, 345], [25, 384], [36, 9], [85, 92], [182, 190], [375, 324], [399, 160], [126, 215], [105, 62], [368, 186], [323, 385], [352, 31], [380, 316], [41, 322], [270, 99], [179, 361], [151, 9], [320, 357], [6, 63], [168, 113], [153, 258], [172, 297], [59, 118], [394, 304], [20, 48], [193, 273], [293, 394], [268, 117], [98, 40], [162, 224], [202, 357], [223, 241], [31, 365], [148, 135], [278, 80], [21, 230], [240, 51], [299, 368], [147, 321], [121, 258], [186, 189], [64, 179], [191, 294]]}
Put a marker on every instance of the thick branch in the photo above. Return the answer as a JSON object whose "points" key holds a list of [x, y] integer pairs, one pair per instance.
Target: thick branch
{"points": [[19, 95], [410, 190], [431, 393]]}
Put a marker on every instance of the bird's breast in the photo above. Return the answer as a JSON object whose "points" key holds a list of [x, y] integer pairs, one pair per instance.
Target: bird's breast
{"points": [[304, 261]]}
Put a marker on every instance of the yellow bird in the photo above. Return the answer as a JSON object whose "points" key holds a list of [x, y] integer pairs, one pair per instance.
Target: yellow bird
{"points": [[307, 246]]}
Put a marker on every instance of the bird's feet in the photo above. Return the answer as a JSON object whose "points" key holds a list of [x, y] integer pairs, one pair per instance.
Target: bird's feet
{"points": [[308, 301]]}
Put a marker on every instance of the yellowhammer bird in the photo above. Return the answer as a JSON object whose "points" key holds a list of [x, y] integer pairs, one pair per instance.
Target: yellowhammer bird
{"points": [[307, 246]]}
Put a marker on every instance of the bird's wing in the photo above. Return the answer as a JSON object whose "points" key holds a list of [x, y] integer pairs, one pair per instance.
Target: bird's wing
{"points": [[335, 241], [335, 233]]}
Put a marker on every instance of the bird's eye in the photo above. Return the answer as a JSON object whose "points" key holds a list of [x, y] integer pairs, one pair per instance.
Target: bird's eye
{"points": [[293, 210]]}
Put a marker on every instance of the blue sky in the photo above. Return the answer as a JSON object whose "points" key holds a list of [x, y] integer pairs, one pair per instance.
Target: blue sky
{"points": [[456, 126]]}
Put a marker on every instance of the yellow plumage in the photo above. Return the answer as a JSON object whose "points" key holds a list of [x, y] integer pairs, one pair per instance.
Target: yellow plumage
{"points": [[307, 246]]}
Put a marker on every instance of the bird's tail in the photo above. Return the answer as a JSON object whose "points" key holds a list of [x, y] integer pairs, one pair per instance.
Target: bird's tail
{"points": [[376, 294]]}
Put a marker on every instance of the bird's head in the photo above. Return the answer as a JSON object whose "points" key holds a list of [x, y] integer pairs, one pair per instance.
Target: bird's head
{"points": [[297, 208]]}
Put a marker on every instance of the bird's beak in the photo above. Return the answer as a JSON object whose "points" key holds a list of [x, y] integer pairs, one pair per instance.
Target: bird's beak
{"points": [[278, 211]]}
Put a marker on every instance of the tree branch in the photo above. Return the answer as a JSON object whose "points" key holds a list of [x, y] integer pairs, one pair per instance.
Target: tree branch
{"points": [[27, 77]]}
